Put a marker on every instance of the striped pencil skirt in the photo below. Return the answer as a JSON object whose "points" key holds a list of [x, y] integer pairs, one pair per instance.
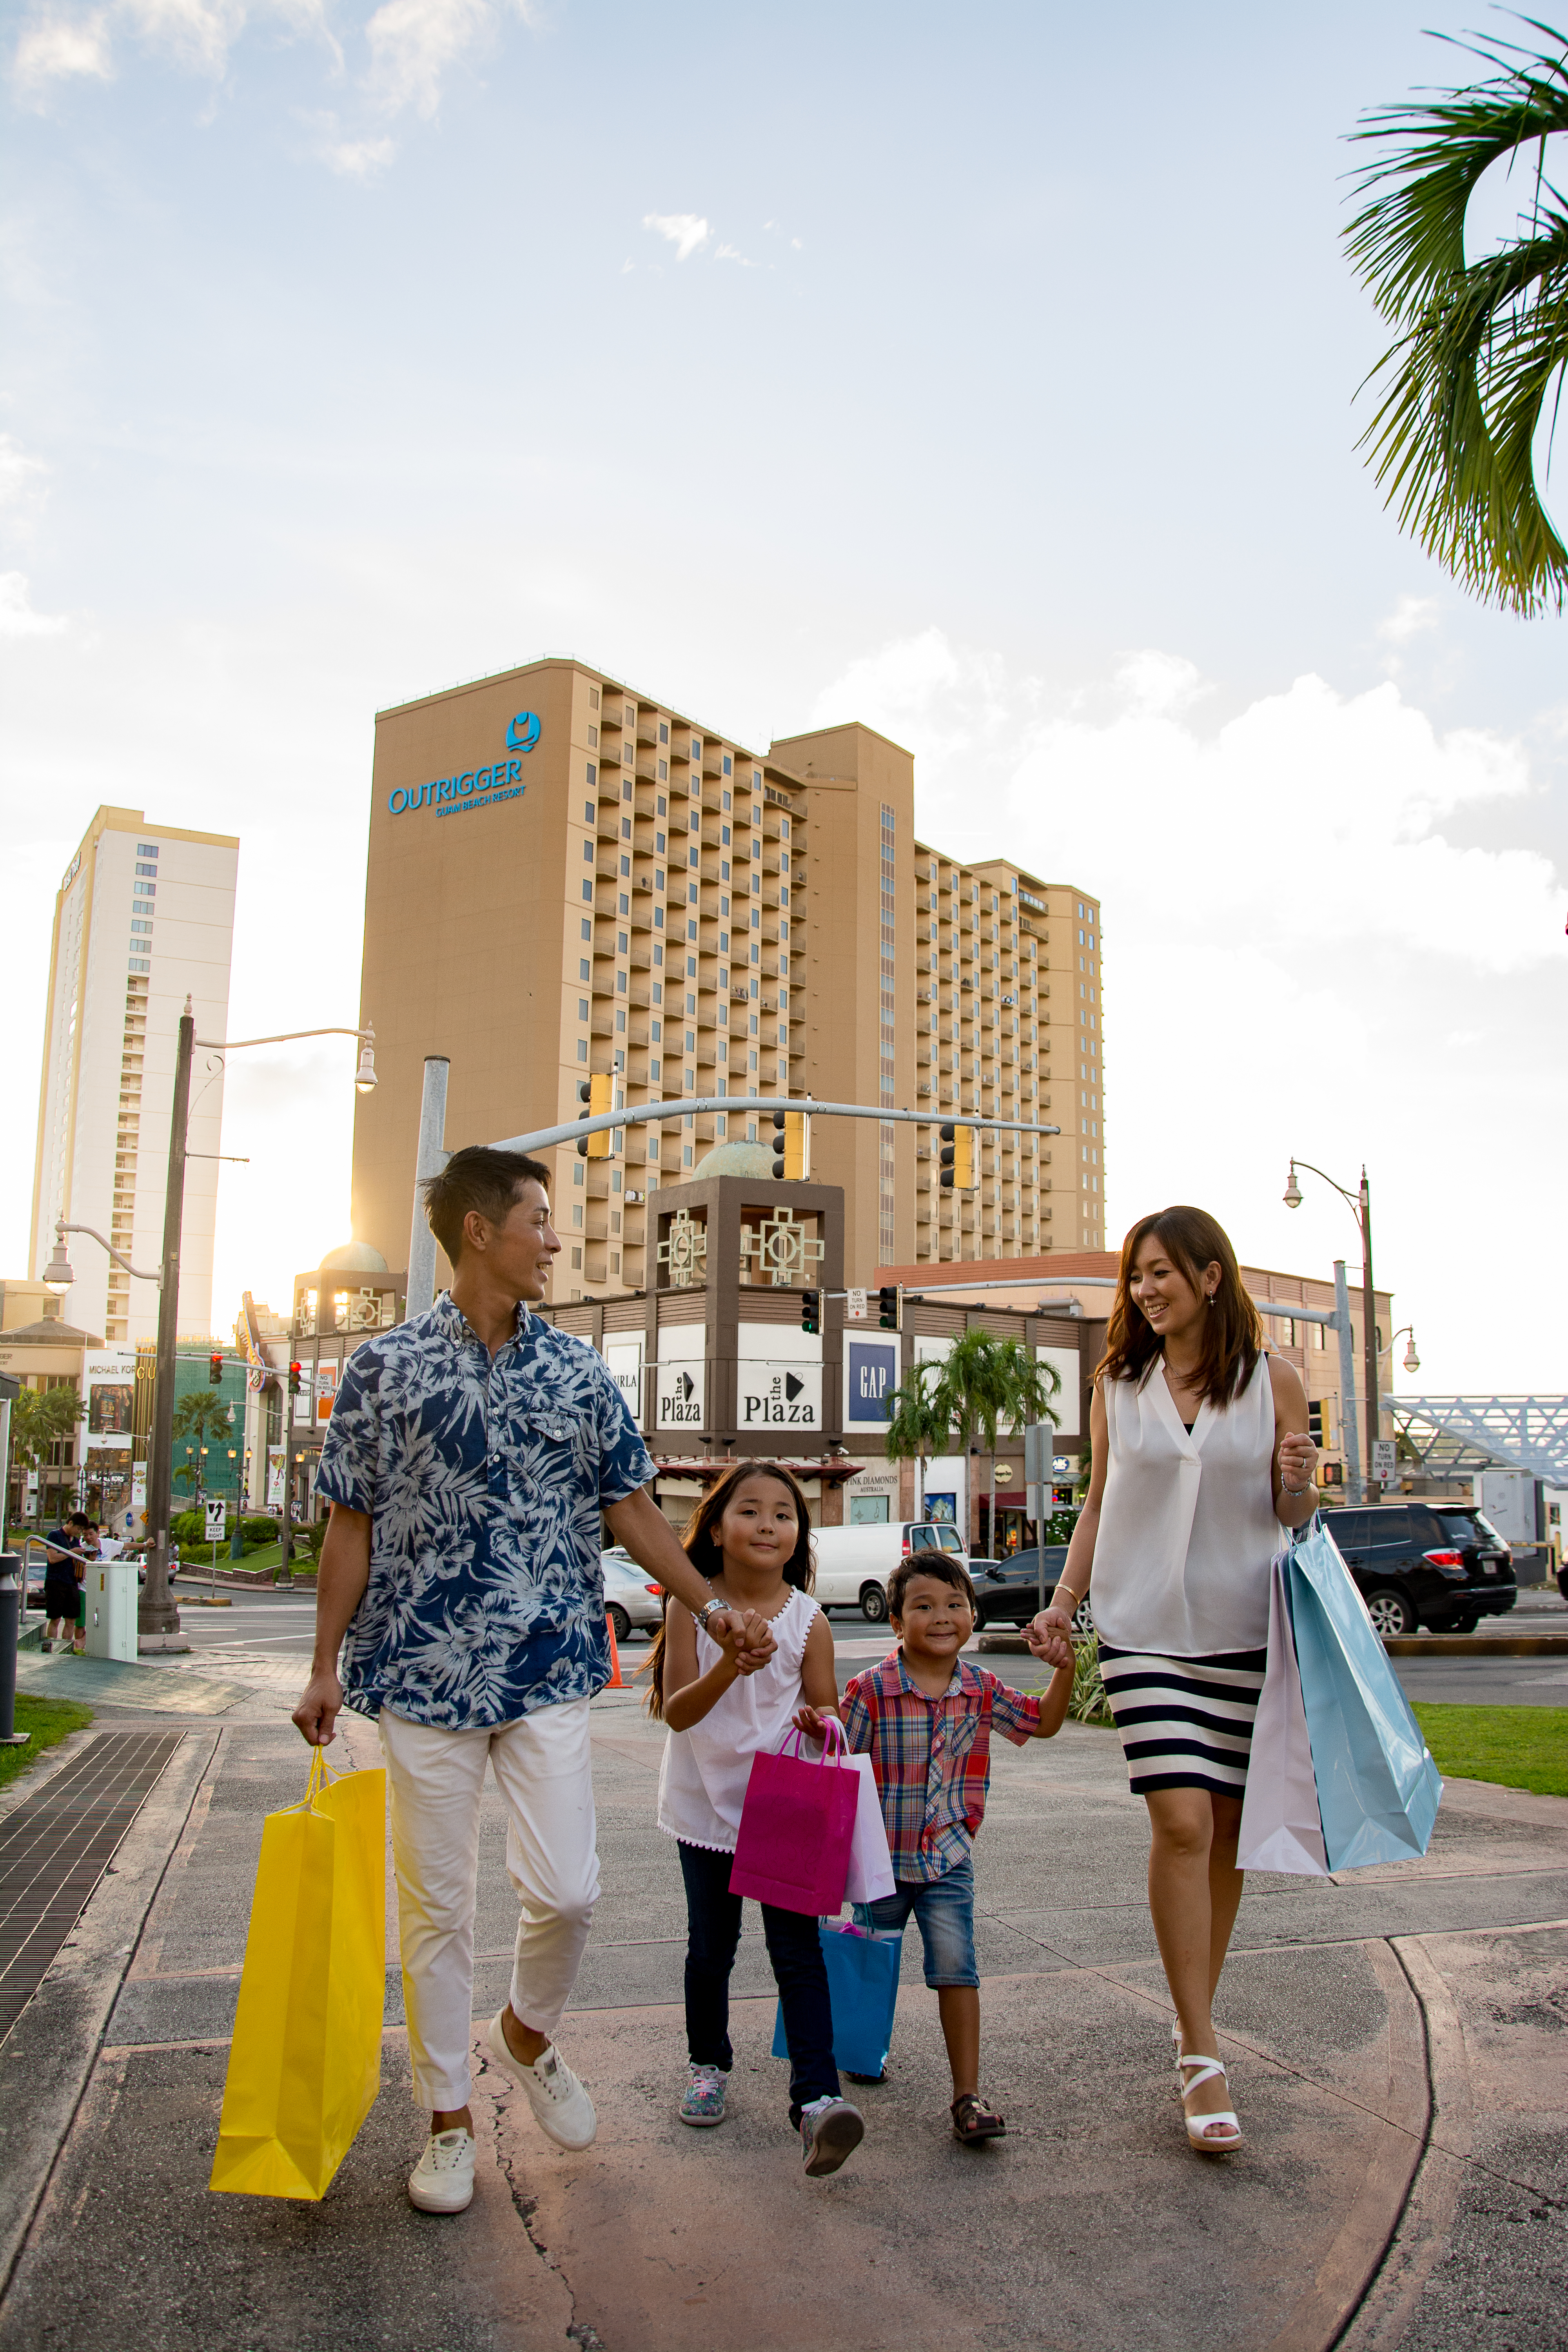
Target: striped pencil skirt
{"points": [[1185, 1723]]}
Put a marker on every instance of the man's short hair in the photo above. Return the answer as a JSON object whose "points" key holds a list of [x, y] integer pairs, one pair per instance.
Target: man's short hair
{"points": [[477, 1178], [940, 1566], [81, 1519]]}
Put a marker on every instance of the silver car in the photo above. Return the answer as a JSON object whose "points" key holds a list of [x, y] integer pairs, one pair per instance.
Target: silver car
{"points": [[631, 1597]]}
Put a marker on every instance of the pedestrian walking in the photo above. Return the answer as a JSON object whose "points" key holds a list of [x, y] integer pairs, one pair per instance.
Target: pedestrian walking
{"points": [[1200, 1459], [925, 1716], [471, 1453], [749, 1537]]}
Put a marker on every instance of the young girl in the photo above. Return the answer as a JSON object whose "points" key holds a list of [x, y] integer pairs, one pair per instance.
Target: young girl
{"points": [[751, 1539]]}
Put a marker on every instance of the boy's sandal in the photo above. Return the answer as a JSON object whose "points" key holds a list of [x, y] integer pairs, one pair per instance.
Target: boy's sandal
{"points": [[973, 2121], [1200, 2129]]}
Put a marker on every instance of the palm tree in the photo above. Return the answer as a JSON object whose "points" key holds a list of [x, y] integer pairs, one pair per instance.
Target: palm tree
{"points": [[1480, 345], [42, 1418], [198, 1416], [987, 1383], [919, 1424]]}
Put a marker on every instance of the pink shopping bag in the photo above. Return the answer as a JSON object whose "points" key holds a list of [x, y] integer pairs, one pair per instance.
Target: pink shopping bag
{"points": [[797, 1827]]}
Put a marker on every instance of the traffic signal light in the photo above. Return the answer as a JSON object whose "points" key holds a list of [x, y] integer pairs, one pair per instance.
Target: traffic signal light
{"points": [[889, 1308], [598, 1095], [792, 1144], [214, 1369], [296, 1373], [957, 1157], [811, 1310], [1318, 1425], [1331, 1473]]}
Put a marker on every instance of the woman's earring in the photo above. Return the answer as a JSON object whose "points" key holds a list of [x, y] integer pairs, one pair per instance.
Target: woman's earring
{"points": [[1208, 1298]]}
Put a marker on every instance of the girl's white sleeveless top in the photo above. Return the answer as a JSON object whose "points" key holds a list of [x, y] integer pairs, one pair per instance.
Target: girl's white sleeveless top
{"points": [[702, 1779], [1187, 1531]]}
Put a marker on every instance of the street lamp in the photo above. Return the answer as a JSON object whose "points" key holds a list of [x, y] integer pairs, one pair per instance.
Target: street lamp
{"points": [[1410, 1360], [157, 1613], [1360, 1205]]}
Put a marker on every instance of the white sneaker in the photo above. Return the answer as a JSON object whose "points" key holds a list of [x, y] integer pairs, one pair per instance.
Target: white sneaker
{"points": [[561, 2105], [443, 2179], [831, 2130]]}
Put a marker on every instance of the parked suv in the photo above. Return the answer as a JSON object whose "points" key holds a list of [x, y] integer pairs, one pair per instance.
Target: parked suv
{"points": [[1008, 1591], [1438, 1564]]}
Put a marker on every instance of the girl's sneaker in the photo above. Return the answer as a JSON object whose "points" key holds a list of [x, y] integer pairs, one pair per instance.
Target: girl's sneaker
{"points": [[704, 2100], [831, 2130]]}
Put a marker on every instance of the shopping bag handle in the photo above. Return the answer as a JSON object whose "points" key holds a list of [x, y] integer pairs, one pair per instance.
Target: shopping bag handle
{"points": [[322, 1775], [837, 1744]]}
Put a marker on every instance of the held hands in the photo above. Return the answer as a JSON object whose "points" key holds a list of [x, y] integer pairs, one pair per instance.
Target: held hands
{"points": [[744, 1637], [1049, 1637]]}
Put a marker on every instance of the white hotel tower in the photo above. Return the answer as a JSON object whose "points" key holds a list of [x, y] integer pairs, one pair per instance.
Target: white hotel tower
{"points": [[145, 918]]}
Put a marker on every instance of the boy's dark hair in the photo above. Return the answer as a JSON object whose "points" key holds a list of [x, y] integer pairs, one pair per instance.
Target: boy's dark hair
{"points": [[81, 1519], [477, 1178], [940, 1566]]}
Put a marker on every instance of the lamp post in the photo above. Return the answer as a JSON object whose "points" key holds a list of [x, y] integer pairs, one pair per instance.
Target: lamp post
{"points": [[1411, 1360], [156, 1614], [1360, 1205]]}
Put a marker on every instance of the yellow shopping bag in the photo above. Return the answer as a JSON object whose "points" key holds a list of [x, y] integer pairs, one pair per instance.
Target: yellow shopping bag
{"points": [[305, 2065]]}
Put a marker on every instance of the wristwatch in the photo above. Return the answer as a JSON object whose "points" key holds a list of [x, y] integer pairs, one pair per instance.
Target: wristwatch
{"points": [[714, 1607]]}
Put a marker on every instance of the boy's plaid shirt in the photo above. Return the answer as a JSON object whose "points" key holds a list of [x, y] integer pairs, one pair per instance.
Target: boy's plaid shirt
{"points": [[932, 1757]]}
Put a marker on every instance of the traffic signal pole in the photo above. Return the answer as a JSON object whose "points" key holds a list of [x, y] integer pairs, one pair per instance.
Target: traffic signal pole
{"points": [[433, 1155]]}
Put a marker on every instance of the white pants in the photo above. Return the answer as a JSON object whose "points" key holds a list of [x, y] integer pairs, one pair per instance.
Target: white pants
{"points": [[542, 1769]]}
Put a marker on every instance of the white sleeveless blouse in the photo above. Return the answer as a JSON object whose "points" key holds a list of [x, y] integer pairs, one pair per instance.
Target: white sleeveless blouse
{"points": [[1187, 1531], [702, 1779]]}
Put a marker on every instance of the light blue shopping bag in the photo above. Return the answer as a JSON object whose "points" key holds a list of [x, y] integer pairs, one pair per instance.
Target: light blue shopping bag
{"points": [[1378, 1789], [863, 1989]]}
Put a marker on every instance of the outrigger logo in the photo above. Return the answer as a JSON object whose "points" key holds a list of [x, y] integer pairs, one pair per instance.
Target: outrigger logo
{"points": [[479, 787]]}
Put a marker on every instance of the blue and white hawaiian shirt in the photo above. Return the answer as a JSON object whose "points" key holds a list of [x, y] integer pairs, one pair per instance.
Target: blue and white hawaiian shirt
{"points": [[483, 1480]]}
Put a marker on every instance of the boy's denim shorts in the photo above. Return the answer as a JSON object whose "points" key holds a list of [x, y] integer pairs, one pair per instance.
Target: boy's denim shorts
{"points": [[944, 1912]]}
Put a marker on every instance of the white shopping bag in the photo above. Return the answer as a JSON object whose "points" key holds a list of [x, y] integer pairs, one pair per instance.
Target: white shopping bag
{"points": [[1281, 1826], [870, 1864]]}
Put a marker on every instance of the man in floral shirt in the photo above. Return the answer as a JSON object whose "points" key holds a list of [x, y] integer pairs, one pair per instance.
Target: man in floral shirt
{"points": [[470, 1455]]}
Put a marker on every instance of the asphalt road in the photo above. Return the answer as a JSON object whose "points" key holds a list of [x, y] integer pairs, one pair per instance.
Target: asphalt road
{"points": [[280, 1624]]}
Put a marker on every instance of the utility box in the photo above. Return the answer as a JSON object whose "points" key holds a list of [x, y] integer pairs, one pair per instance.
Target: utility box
{"points": [[111, 1593], [1508, 1498]]}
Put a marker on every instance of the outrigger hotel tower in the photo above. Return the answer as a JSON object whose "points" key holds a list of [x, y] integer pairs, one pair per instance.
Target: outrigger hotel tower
{"points": [[569, 877]]}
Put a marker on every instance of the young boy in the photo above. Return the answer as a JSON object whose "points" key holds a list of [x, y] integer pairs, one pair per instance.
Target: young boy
{"points": [[926, 1716]]}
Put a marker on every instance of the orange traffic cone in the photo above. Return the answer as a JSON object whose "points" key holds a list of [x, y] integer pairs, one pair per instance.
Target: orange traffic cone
{"points": [[614, 1682]]}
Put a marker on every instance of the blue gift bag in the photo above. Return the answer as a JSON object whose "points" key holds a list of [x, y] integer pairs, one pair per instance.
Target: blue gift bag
{"points": [[863, 1989], [1378, 1789]]}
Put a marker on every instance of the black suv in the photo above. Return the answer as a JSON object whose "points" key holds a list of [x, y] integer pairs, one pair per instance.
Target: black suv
{"points": [[1008, 1591], [1438, 1564]]}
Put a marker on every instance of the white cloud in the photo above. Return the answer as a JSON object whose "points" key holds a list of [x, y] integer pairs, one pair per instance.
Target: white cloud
{"points": [[56, 48], [1410, 616], [734, 253], [686, 231], [353, 159], [17, 618], [22, 478], [413, 43]]}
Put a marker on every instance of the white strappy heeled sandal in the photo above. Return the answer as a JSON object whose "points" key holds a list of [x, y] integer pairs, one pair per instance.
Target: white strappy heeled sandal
{"points": [[1200, 2128]]}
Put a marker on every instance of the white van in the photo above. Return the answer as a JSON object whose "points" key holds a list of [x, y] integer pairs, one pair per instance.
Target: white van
{"points": [[852, 1564]]}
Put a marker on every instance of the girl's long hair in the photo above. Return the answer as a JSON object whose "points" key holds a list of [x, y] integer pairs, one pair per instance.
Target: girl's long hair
{"points": [[702, 1543], [1232, 1333]]}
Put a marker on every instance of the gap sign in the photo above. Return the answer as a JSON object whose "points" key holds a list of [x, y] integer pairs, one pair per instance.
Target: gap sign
{"points": [[871, 1374]]}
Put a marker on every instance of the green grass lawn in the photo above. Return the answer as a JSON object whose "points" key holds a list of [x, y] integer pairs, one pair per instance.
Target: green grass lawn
{"points": [[45, 1720], [1519, 1746]]}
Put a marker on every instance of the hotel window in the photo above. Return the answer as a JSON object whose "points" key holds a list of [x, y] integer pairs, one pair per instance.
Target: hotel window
{"points": [[144, 890], [664, 772], [625, 828], [728, 765], [582, 1049], [146, 849], [663, 732], [593, 772]]}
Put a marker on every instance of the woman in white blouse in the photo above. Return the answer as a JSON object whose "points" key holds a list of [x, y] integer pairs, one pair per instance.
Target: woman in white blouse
{"points": [[1201, 1462]]}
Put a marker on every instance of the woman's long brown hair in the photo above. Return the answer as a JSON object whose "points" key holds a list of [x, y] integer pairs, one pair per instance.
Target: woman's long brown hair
{"points": [[701, 1544], [1232, 1335]]}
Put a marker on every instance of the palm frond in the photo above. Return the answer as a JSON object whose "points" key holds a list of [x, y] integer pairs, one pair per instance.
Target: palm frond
{"points": [[1481, 346]]}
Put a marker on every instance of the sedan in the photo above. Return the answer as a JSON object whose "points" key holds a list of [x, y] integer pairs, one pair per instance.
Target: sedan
{"points": [[631, 1599]]}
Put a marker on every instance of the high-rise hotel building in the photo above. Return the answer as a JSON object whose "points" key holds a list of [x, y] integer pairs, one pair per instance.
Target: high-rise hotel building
{"points": [[568, 877], [143, 918]]}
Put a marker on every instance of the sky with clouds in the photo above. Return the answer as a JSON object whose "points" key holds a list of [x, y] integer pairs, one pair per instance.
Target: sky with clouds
{"points": [[989, 375]]}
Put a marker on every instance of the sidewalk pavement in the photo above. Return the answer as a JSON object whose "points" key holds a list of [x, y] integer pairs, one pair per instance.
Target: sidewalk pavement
{"points": [[1396, 2040]]}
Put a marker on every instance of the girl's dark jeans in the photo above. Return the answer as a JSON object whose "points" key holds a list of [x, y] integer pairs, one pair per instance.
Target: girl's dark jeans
{"points": [[713, 1931]]}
